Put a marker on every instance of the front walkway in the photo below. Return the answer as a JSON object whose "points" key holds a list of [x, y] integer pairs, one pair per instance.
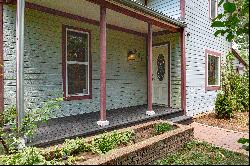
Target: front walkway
{"points": [[85, 124], [219, 137]]}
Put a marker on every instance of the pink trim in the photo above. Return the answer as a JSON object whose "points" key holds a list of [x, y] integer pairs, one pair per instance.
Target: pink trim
{"points": [[133, 14], [78, 18], [215, 54], [150, 55], [169, 69], [182, 8], [69, 98], [103, 63], [1, 61], [183, 70]]}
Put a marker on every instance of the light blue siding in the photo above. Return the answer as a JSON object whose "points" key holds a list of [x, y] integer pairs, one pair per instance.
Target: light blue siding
{"points": [[201, 38], [168, 7]]}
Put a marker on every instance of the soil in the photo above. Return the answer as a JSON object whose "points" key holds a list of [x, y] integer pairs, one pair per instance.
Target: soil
{"points": [[239, 122]]}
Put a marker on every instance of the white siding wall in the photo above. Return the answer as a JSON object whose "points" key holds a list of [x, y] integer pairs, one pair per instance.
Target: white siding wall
{"points": [[168, 7], [201, 38]]}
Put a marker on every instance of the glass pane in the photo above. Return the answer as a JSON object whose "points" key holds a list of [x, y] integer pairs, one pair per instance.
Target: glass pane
{"points": [[77, 46], [213, 8], [77, 79], [213, 70]]}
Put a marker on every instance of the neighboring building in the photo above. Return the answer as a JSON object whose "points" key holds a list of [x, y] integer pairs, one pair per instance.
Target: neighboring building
{"points": [[153, 52], [239, 64]]}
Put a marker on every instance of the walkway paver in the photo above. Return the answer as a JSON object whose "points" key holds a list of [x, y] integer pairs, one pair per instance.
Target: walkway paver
{"points": [[219, 137]]}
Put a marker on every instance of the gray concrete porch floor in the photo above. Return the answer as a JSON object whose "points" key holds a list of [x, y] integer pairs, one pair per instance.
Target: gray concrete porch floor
{"points": [[57, 130]]}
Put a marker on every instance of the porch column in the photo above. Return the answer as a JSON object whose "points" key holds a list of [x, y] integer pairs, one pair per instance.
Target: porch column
{"points": [[103, 121], [150, 54], [19, 61], [183, 70]]}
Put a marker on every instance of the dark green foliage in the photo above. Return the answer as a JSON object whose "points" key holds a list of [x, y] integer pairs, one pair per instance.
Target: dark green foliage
{"points": [[109, 141], [234, 94], [202, 153], [162, 128], [245, 143], [234, 22]]}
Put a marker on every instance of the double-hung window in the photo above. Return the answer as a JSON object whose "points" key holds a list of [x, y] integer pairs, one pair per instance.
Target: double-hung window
{"points": [[212, 70], [77, 75], [213, 8]]}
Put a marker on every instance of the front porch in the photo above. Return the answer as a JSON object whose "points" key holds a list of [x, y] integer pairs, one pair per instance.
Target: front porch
{"points": [[110, 80], [57, 130]]}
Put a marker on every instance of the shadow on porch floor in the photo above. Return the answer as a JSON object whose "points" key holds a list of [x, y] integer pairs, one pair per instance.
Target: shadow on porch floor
{"points": [[57, 130]]}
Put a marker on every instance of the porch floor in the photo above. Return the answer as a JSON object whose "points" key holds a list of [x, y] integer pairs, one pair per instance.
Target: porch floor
{"points": [[84, 125]]}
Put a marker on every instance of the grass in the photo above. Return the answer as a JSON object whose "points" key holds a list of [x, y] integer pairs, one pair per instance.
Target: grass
{"points": [[202, 153]]}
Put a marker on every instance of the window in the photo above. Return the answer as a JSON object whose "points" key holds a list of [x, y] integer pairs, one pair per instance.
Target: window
{"points": [[76, 65], [212, 70], [213, 8]]}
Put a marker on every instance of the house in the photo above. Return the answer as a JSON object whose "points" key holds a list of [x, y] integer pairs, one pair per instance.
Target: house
{"points": [[110, 54], [238, 62]]}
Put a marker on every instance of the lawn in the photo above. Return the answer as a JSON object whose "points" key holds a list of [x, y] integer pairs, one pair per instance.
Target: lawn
{"points": [[202, 153]]}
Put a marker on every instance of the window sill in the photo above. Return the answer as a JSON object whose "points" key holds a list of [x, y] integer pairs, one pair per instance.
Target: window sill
{"points": [[212, 88], [70, 98]]}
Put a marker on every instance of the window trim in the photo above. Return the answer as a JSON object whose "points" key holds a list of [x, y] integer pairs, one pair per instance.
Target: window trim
{"points": [[218, 55], [209, 9], [64, 64]]}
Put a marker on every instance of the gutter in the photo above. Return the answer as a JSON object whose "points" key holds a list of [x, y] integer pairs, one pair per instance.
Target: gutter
{"points": [[152, 12]]}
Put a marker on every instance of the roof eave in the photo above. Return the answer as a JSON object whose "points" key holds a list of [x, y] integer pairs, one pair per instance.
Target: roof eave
{"points": [[151, 12]]}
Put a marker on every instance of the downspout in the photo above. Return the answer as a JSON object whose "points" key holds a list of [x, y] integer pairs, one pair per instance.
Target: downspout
{"points": [[1, 64]]}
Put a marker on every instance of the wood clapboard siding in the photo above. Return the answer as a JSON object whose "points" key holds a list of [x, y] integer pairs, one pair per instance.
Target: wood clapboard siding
{"points": [[168, 7], [175, 88], [201, 38], [126, 81]]}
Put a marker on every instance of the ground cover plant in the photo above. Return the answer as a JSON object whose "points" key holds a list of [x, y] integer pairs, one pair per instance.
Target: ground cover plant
{"points": [[202, 153]]}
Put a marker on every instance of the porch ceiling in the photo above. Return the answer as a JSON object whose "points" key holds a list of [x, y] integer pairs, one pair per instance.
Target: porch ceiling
{"points": [[91, 11]]}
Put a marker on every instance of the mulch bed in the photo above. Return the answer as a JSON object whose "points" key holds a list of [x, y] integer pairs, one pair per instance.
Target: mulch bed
{"points": [[240, 121]]}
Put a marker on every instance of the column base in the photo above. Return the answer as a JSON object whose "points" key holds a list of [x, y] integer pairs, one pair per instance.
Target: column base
{"points": [[150, 113], [103, 123]]}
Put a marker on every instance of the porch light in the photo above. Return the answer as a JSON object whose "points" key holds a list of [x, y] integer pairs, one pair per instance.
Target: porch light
{"points": [[132, 55]]}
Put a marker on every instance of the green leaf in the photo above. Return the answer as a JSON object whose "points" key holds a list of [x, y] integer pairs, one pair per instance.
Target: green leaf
{"points": [[221, 2], [217, 33], [243, 140], [229, 7], [218, 24], [230, 36]]}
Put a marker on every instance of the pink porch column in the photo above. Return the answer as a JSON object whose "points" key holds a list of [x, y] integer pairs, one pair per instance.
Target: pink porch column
{"points": [[150, 54], [102, 121]]}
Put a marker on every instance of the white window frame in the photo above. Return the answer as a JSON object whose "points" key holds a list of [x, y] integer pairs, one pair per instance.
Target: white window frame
{"points": [[76, 62], [210, 9], [219, 69]]}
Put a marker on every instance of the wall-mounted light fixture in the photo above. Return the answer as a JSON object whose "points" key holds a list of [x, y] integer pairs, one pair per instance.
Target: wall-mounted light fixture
{"points": [[132, 54]]}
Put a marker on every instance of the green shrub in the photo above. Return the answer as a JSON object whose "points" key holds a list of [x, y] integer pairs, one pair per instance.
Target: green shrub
{"points": [[27, 156], [162, 128], [109, 141], [223, 108], [235, 91], [74, 146], [245, 143]]}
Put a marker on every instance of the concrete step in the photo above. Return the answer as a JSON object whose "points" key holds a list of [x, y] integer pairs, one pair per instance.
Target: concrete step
{"points": [[186, 120]]}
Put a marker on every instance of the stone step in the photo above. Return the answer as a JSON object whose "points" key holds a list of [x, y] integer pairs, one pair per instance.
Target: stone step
{"points": [[182, 119]]}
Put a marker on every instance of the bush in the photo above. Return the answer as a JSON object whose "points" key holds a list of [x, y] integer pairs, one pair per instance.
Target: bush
{"points": [[27, 156], [109, 141], [223, 108], [235, 91], [162, 128]]}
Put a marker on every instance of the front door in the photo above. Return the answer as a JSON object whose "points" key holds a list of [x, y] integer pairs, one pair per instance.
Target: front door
{"points": [[160, 75]]}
